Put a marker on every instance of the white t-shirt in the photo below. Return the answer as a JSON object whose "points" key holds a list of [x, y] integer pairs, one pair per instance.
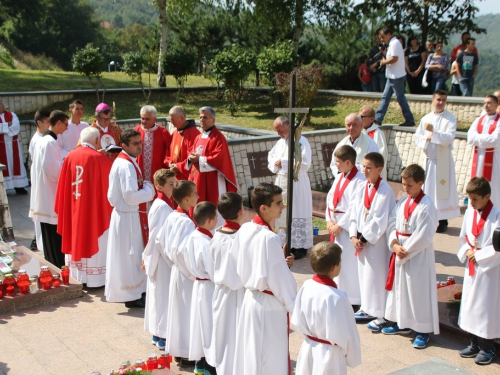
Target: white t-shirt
{"points": [[397, 69]]}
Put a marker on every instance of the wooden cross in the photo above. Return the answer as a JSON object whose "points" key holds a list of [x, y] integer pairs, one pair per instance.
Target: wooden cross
{"points": [[291, 111]]}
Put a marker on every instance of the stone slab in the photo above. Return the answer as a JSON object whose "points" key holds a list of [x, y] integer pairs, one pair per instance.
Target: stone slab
{"points": [[434, 366]]}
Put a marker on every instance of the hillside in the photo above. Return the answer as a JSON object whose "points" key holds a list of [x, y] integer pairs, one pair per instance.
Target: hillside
{"points": [[122, 13]]}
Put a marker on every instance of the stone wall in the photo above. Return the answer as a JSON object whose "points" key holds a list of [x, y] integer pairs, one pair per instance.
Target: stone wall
{"points": [[23, 103], [6, 229]]}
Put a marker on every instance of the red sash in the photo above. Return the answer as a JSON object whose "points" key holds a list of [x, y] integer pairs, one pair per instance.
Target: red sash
{"points": [[206, 232], [477, 229], [15, 150], [408, 210], [339, 192], [372, 133], [231, 225], [260, 221], [143, 215], [488, 157], [325, 280]]}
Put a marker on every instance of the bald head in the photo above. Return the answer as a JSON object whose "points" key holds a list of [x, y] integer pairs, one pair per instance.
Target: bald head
{"points": [[282, 126], [367, 114], [353, 125]]}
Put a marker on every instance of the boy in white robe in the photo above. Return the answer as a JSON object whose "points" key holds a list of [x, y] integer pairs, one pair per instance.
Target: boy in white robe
{"points": [[480, 306], [262, 333], [228, 293], [339, 203], [176, 229], [200, 264], [156, 263], [435, 135], [368, 223], [323, 316], [412, 299]]}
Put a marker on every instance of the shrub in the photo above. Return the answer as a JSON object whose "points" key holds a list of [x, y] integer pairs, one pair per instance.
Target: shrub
{"points": [[179, 63], [88, 62]]}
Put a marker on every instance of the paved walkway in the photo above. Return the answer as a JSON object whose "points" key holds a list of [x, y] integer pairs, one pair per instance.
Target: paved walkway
{"points": [[87, 334]]}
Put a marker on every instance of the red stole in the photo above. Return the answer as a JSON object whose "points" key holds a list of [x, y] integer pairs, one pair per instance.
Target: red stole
{"points": [[160, 151], [15, 150], [488, 157], [170, 201], [325, 280], [143, 215], [260, 221], [408, 210], [206, 232], [371, 134], [179, 209], [231, 225], [368, 199], [477, 229], [339, 192]]}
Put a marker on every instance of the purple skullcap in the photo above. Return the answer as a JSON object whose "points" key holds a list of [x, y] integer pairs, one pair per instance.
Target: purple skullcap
{"points": [[102, 107]]}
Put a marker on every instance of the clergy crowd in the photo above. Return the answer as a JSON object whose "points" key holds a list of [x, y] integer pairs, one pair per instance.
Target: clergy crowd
{"points": [[155, 217]]}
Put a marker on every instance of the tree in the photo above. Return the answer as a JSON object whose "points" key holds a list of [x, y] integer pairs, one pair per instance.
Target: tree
{"points": [[88, 61], [162, 7], [134, 64], [433, 18], [180, 63]]}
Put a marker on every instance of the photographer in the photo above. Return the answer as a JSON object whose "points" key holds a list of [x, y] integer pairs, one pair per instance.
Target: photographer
{"points": [[377, 71]]}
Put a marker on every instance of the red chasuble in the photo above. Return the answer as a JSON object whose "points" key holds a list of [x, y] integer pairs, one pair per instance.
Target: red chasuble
{"points": [[113, 131], [15, 150], [161, 149], [82, 207], [182, 143], [216, 150]]}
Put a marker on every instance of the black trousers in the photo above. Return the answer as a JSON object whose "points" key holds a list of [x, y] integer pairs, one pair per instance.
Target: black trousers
{"points": [[52, 244], [483, 344]]}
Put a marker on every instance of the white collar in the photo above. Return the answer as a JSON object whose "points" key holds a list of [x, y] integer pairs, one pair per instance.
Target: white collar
{"points": [[151, 129], [86, 144]]}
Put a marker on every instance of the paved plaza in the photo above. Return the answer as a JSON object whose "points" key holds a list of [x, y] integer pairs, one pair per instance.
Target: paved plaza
{"points": [[87, 334]]}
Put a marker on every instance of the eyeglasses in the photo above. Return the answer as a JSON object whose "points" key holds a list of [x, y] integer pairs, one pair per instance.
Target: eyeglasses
{"points": [[104, 119], [136, 143], [366, 116]]}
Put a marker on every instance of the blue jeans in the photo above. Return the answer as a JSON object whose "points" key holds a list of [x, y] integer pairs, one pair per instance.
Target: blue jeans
{"points": [[396, 86], [378, 82], [366, 87], [467, 85], [438, 83]]}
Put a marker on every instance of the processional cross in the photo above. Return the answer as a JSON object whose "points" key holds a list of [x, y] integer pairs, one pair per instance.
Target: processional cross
{"points": [[293, 139]]}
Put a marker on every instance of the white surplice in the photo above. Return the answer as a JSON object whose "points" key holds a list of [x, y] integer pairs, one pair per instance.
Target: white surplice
{"points": [[158, 270], [177, 229], [68, 140], [484, 141], [480, 307], [227, 301], [9, 132], [325, 312], [31, 150], [45, 171], [348, 280], [363, 145], [379, 138], [262, 333], [302, 228], [412, 303], [437, 150], [125, 281], [374, 258], [200, 264]]}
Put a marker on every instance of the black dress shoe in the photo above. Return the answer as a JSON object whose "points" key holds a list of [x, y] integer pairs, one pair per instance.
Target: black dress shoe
{"points": [[21, 191], [407, 123], [300, 253], [442, 227], [186, 362], [137, 303]]}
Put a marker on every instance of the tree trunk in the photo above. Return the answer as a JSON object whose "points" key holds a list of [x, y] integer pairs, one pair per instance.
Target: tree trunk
{"points": [[162, 6], [299, 24], [425, 24]]}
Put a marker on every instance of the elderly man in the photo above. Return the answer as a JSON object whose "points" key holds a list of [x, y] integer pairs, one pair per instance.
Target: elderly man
{"points": [[435, 135], [302, 236], [155, 143], [484, 136], [396, 77], [10, 152], [367, 114], [45, 171], [82, 194], [109, 133], [360, 141], [70, 138], [210, 163], [183, 140]]}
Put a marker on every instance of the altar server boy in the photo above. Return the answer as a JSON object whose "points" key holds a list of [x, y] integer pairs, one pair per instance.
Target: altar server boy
{"points": [[228, 293], [323, 315], [262, 333], [412, 299], [200, 264], [156, 264], [176, 230], [368, 223], [480, 306], [339, 204]]}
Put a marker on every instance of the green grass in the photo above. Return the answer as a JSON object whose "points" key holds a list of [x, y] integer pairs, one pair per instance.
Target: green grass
{"points": [[320, 223]]}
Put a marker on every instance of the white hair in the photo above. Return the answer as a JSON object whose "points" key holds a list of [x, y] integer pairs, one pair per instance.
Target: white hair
{"points": [[149, 109], [177, 110], [89, 135]]}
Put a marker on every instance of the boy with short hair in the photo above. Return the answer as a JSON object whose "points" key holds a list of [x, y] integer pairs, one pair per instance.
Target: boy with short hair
{"points": [[172, 239], [200, 264], [323, 315], [368, 223], [338, 210], [262, 333], [71, 137], [157, 265], [412, 299], [228, 293], [480, 309], [42, 125]]}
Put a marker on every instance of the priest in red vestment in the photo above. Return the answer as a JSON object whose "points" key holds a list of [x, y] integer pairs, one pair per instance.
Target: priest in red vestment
{"points": [[183, 140], [83, 209], [109, 133], [210, 162], [155, 143]]}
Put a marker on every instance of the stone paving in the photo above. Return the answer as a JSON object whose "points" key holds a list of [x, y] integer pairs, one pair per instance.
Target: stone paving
{"points": [[87, 334]]}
